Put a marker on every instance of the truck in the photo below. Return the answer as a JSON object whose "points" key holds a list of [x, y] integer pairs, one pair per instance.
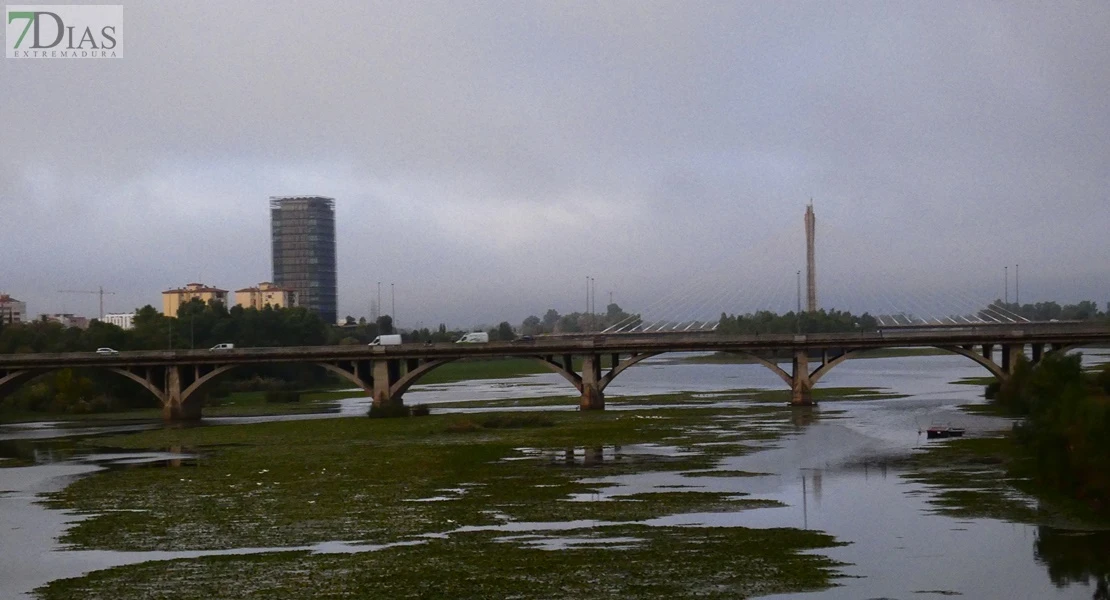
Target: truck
{"points": [[474, 338], [386, 340]]}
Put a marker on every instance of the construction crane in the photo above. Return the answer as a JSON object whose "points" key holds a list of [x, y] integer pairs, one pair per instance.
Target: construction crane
{"points": [[99, 291]]}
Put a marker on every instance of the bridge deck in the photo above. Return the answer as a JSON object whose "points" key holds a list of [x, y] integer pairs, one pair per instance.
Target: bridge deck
{"points": [[586, 344]]}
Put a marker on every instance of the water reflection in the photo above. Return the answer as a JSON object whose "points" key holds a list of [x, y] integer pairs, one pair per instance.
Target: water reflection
{"points": [[1075, 557]]}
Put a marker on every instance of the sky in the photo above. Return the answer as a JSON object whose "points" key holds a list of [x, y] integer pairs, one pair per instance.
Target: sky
{"points": [[488, 158]]}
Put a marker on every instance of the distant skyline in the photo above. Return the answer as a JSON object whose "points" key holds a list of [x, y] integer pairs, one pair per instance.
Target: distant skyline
{"points": [[486, 158]]}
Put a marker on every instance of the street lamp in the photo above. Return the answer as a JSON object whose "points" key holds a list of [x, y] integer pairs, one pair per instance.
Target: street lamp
{"points": [[798, 314], [587, 310]]}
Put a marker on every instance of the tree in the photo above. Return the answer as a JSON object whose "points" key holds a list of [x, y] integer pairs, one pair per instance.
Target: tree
{"points": [[505, 331], [550, 319], [531, 325], [385, 325]]}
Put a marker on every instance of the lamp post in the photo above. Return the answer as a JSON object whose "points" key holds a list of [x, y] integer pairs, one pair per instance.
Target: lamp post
{"points": [[593, 303], [587, 310], [798, 314], [1006, 284]]}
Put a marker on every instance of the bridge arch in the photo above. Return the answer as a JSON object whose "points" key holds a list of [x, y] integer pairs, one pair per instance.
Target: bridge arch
{"points": [[990, 365], [624, 364], [408, 379], [15, 379], [568, 373], [366, 386], [576, 380], [987, 363], [820, 372], [144, 382], [777, 370]]}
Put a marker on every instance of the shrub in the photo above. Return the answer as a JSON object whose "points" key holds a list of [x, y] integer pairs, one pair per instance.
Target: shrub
{"points": [[282, 397], [388, 411], [1103, 379]]}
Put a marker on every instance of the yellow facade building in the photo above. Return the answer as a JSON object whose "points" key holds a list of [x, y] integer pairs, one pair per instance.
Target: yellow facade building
{"points": [[266, 293], [173, 299]]}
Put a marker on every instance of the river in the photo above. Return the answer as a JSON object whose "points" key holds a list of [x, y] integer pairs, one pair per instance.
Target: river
{"points": [[832, 475]]}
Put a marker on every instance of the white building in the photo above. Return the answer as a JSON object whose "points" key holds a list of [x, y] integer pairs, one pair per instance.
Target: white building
{"points": [[121, 320], [12, 310], [66, 320]]}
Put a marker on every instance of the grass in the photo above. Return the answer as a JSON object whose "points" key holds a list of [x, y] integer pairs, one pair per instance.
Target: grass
{"points": [[290, 484], [646, 563]]}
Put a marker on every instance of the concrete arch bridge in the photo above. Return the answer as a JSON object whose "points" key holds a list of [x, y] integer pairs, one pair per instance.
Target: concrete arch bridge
{"points": [[178, 378]]}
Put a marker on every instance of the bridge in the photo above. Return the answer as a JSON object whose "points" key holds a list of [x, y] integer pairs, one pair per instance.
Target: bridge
{"points": [[178, 378]]}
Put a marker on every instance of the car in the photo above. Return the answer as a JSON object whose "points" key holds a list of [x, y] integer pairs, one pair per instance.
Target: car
{"points": [[524, 338], [107, 351], [221, 347]]}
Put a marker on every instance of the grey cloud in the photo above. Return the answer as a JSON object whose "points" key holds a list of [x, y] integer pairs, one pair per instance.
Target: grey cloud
{"points": [[487, 156]]}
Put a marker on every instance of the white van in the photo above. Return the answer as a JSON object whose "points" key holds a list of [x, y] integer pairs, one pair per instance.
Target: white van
{"points": [[474, 338], [220, 347], [386, 340]]}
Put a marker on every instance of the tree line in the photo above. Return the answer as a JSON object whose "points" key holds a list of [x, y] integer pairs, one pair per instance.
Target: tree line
{"points": [[821, 321], [1065, 427], [197, 325], [578, 322], [1048, 311]]}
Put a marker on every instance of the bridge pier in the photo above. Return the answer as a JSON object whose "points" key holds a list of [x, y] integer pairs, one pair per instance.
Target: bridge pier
{"points": [[176, 406], [1011, 354], [1038, 352], [593, 398], [801, 386], [386, 373]]}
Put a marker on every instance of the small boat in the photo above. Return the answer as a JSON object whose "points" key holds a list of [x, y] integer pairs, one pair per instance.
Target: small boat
{"points": [[943, 431]]}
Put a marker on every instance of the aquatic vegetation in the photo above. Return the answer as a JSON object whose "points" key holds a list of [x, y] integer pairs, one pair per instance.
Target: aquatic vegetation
{"points": [[290, 484], [661, 563]]}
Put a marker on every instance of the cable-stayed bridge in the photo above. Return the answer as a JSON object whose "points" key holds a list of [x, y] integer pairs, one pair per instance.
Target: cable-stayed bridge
{"points": [[765, 278]]}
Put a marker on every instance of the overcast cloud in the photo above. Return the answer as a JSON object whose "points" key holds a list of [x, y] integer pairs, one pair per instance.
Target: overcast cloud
{"points": [[486, 157]]}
